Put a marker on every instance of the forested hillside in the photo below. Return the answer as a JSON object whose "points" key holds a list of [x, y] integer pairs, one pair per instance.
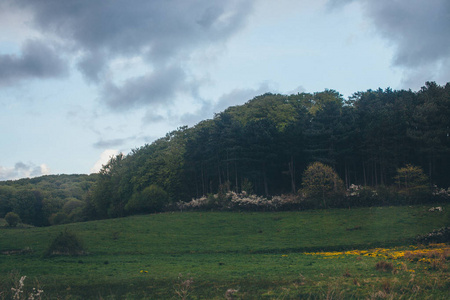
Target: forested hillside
{"points": [[265, 145], [45, 200], [262, 147]]}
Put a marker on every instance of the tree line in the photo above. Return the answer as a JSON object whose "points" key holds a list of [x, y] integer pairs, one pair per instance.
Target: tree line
{"points": [[264, 146], [46, 200]]}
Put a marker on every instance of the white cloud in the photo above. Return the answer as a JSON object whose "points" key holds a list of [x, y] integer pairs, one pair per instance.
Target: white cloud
{"points": [[21, 170], [104, 158], [45, 170]]}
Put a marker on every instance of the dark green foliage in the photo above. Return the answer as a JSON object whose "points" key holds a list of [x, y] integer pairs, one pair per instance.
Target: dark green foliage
{"points": [[151, 199], [12, 219], [270, 140], [263, 147], [59, 218], [412, 183], [66, 243], [37, 199]]}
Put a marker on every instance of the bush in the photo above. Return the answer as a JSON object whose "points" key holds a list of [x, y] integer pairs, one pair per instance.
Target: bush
{"points": [[244, 201], [12, 219], [413, 184], [321, 183], [59, 218], [71, 205], [384, 266], [151, 199], [66, 243]]}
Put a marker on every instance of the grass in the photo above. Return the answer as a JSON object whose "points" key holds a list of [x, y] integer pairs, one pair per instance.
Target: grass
{"points": [[261, 255]]}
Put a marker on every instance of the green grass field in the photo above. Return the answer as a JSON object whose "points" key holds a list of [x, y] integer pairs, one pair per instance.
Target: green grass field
{"points": [[261, 255]]}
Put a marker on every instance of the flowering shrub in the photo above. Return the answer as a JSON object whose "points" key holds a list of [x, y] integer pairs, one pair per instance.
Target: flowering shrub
{"points": [[183, 287], [354, 190], [355, 196], [18, 291], [241, 201], [441, 192], [229, 294]]}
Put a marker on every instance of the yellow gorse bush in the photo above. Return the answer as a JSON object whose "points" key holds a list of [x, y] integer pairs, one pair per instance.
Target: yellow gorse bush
{"points": [[412, 253]]}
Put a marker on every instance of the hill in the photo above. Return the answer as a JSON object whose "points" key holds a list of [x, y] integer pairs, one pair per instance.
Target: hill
{"points": [[255, 253], [37, 199], [265, 145]]}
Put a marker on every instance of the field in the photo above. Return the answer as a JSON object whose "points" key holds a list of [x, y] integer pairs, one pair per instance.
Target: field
{"points": [[364, 253]]}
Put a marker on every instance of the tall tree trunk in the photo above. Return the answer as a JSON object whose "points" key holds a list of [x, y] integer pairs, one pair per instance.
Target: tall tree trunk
{"points": [[266, 188], [218, 172], [364, 174], [236, 176], [203, 181], [292, 173]]}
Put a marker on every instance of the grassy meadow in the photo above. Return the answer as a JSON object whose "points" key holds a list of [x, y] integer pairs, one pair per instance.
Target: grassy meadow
{"points": [[363, 253]]}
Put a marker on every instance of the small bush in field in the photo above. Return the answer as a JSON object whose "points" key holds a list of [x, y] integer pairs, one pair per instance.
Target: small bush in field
{"points": [[384, 266], [12, 219], [66, 243]]}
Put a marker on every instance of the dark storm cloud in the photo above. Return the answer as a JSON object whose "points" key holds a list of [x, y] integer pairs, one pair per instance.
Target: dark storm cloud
{"points": [[156, 88], [418, 29], [37, 60], [161, 32]]}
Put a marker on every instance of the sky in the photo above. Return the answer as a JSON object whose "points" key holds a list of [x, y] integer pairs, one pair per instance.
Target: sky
{"points": [[82, 80]]}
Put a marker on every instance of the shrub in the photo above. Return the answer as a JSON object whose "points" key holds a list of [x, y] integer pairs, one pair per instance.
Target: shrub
{"points": [[12, 219], [243, 201], [412, 183], [362, 196], [58, 218], [385, 195], [66, 243], [71, 205], [441, 194], [151, 199], [384, 266], [320, 183]]}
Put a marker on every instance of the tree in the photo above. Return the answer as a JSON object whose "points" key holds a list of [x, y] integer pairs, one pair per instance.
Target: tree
{"points": [[430, 130], [321, 182], [12, 219], [151, 199], [412, 182]]}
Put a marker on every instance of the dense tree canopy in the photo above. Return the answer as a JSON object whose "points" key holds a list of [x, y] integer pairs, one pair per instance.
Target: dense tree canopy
{"points": [[36, 200], [269, 141], [264, 146]]}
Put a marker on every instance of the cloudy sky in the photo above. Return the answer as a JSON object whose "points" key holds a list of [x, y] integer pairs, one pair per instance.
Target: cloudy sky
{"points": [[81, 80]]}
